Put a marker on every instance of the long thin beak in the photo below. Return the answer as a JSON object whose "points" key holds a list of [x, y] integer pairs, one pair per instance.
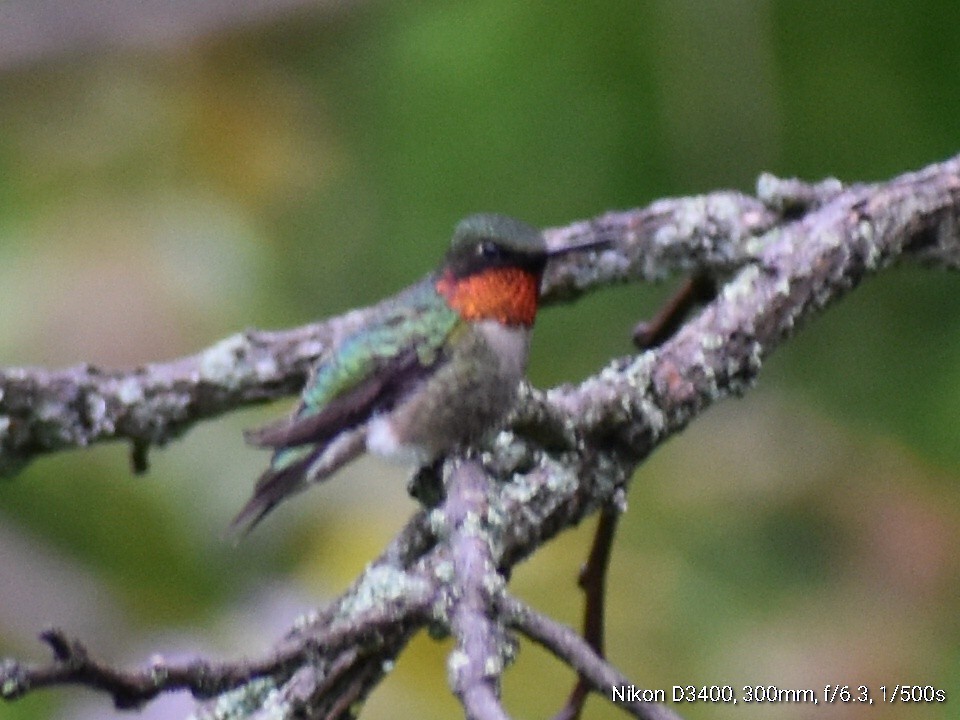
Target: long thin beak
{"points": [[587, 245]]}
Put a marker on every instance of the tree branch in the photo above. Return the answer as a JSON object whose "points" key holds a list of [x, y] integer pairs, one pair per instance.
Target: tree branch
{"points": [[482, 646], [44, 411], [593, 582], [567, 645], [567, 452]]}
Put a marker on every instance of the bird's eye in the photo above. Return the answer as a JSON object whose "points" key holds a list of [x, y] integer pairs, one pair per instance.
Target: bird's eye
{"points": [[488, 249]]}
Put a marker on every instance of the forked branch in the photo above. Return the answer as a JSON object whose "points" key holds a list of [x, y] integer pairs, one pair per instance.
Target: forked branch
{"points": [[778, 258]]}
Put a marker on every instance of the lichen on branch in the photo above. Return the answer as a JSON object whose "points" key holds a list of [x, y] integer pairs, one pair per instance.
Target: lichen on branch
{"points": [[779, 258]]}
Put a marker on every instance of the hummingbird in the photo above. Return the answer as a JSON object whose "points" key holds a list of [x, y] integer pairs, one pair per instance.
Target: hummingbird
{"points": [[437, 368]]}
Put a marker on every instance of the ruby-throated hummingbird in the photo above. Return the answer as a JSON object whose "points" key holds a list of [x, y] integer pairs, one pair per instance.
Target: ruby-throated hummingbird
{"points": [[437, 368]]}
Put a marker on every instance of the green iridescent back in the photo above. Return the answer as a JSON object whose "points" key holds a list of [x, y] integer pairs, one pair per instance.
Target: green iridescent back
{"points": [[416, 317]]}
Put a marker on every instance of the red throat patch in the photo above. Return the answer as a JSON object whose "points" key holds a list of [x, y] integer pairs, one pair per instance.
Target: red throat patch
{"points": [[507, 295]]}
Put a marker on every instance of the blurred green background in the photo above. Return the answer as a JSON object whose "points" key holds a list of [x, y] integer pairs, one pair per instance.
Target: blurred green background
{"points": [[173, 172]]}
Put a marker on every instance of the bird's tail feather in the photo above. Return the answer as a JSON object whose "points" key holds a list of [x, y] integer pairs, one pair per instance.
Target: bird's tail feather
{"points": [[293, 470], [278, 482]]}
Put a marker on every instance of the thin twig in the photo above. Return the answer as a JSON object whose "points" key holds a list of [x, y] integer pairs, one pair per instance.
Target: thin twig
{"points": [[72, 663], [593, 580], [567, 645]]}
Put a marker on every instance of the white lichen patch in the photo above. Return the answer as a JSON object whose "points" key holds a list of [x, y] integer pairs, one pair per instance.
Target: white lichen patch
{"points": [[97, 412], [873, 258], [519, 491], [443, 571], [254, 697], [50, 410], [10, 686], [437, 522], [560, 480], [493, 666], [743, 285], [654, 416], [266, 367], [493, 582], [712, 341], [219, 363], [495, 516], [609, 264], [129, 391], [754, 246], [382, 585], [456, 662], [507, 452]]}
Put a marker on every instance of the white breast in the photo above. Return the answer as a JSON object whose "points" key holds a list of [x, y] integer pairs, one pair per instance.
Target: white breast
{"points": [[510, 343]]}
